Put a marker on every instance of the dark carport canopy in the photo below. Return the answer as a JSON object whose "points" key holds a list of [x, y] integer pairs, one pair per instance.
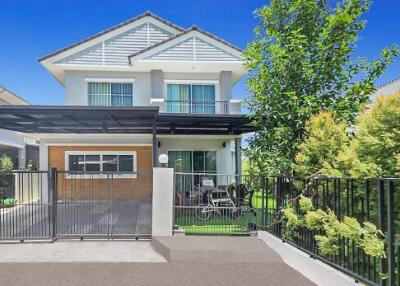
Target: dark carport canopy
{"points": [[134, 120]]}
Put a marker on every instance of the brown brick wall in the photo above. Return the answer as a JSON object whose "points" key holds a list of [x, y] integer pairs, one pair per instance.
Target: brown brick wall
{"points": [[117, 188]]}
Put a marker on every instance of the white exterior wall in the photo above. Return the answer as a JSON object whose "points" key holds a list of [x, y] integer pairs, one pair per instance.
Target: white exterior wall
{"points": [[76, 85], [163, 200]]}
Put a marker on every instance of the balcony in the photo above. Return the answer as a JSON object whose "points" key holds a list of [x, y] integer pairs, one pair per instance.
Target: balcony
{"points": [[197, 107]]}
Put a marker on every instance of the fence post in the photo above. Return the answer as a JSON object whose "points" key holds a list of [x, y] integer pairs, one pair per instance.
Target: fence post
{"points": [[264, 203], [390, 235], [162, 206], [53, 200], [381, 220]]}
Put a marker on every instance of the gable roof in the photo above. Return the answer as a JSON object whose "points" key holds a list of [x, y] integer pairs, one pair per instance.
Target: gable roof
{"points": [[11, 98], [127, 22], [125, 47], [193, 28], [388, 83]]}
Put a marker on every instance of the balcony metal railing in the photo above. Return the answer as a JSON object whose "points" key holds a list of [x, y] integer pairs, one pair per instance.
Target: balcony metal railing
{"points": [[198, 107]]}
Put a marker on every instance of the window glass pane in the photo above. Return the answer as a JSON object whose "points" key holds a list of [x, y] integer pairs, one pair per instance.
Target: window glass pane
{"points": [[92, 158], [209, 99], [98, 93], [181, 161], [92, 167], [198, 162], [121, 89], [210, 162], [178, 97], [197, 99], [110, 163], [125, 163], [76, 162], [121, 94]]}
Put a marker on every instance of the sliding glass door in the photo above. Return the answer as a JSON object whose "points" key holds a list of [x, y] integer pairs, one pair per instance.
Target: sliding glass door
{"points": [[192, 163], [178, 98], [191, 98]]}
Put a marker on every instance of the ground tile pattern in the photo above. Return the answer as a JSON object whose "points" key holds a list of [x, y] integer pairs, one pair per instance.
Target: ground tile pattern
{"points": [[155, 274]]}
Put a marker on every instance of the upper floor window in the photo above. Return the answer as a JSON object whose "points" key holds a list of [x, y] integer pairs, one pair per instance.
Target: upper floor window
{"points": [[110, 94], [190, 98]]}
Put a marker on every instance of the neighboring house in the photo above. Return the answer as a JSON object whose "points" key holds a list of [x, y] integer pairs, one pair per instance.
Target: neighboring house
{"points": [[391, 87], [142, 88], [20, 148]]}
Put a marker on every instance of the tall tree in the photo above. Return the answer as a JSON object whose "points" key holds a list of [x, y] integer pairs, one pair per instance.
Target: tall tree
{"points": [[374, 151], [300, 62]]}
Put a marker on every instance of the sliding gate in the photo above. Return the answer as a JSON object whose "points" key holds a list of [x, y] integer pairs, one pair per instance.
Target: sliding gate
{"points": [[59, 204], [102, 205]]}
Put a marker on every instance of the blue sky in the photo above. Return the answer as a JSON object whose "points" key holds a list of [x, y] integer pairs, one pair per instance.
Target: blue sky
{"points": [[31, 29]]}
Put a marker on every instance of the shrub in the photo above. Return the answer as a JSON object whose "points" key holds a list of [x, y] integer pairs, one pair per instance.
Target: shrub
{"points": [[6, 164]]}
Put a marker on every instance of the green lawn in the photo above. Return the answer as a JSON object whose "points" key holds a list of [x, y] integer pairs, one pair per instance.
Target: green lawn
{"points": [[258, 201], [219, 223]]}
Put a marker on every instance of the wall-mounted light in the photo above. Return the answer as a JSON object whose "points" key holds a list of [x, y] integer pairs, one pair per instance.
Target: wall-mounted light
{"points": [[163, 159]]}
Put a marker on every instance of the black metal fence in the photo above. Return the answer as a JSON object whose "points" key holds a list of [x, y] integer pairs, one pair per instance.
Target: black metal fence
{"points": [[61, 204], [223, 204], [219, 204], [103, 204]]}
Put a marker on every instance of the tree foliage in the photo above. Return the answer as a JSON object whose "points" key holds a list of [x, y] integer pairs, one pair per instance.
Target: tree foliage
{"points": [[321, 146], [330, 229], [374, 151], [301, 62]]}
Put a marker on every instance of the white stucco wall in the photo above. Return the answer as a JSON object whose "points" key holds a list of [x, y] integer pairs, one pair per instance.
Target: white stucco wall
{"points": [[162, 204], [76, 85]]}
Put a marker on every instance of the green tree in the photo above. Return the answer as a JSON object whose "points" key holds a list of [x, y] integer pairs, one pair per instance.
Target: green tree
{"points": [[374, 151], [321, 146], [300, 62]]}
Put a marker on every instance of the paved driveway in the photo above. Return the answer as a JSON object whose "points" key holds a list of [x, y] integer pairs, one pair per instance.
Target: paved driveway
{"points": [[149, 274], [137, 263]]}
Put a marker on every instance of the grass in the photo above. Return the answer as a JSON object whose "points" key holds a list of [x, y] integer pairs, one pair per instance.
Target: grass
{"points": [[225, 224], [258, 201], [219, 223]]}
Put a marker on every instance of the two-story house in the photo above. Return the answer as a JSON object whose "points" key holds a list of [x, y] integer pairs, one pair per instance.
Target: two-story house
{"points": [[137, 90]]}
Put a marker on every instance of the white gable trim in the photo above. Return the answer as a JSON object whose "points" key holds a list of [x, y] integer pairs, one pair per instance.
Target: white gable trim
{"points": [[180, 39], [99, 40]]}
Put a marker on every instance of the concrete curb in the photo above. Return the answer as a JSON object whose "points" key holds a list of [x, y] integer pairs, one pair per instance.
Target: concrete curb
{"points": [[315, 270]]}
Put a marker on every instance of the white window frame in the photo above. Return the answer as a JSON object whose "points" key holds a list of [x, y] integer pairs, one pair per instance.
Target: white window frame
{"points": [[110, 81], [101, 153]]}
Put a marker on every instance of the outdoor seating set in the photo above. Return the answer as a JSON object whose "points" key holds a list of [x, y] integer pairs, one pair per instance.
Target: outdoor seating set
{"points": [[206, 199]]}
